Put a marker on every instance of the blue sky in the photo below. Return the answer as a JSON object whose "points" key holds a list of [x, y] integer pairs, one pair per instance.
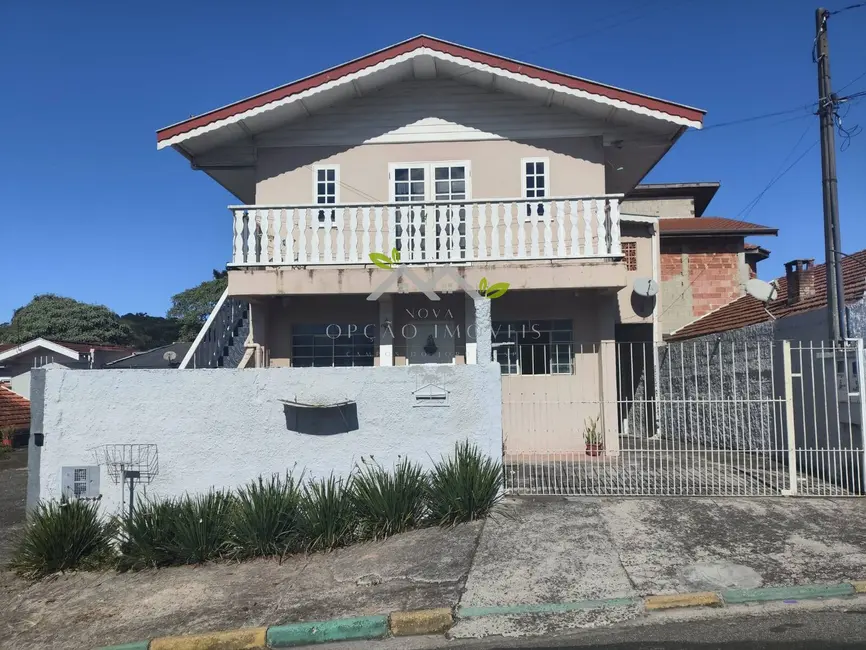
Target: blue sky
{"points": [[93, 211]]}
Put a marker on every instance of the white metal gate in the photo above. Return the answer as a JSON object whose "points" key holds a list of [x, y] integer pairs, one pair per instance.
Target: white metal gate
{"points": [[710, 418]]}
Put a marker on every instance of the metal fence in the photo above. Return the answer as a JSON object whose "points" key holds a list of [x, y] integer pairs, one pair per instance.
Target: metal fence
{"points": [[711, 418]]}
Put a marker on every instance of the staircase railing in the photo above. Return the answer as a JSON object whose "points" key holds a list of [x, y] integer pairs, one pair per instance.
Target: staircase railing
{"points": [[210, 343]]}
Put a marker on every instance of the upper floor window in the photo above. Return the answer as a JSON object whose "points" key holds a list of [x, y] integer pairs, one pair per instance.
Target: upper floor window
{"points": [[629, 255], [534, 172], [326, 189]]}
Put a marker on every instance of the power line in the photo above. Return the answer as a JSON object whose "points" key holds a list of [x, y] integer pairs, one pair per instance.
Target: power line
{"points": [[855, 79], [777, 177], [848, 8], [763, 116]]}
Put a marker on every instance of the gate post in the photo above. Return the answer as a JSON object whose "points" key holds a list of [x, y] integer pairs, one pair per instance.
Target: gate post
{"points": [[861, 389], [789, 419]]}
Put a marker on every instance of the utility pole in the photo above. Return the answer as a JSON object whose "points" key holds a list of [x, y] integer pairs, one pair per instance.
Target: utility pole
{"points": [[832, 235]]}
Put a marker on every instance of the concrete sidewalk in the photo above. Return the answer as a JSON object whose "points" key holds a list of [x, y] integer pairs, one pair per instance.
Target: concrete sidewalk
{"points": [[569, 550], [534, 552]]}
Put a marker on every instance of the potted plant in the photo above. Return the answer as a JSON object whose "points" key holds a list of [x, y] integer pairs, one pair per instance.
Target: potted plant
{"points": [[592, 438]]}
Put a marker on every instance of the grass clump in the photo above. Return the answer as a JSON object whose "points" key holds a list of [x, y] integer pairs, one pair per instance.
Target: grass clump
{"points": [[203, 527], [63, 536], [387, 503], [463, 487], [267, 518], [329, 519], [147, 540]]}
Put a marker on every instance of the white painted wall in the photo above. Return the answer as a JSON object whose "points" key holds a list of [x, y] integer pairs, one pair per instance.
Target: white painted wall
{"points": [[224, 427], [432, 111]]}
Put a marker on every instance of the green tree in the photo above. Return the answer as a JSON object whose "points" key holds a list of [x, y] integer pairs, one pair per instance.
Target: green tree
{"points": [[64, 319], [193, 306], [152, 331]]}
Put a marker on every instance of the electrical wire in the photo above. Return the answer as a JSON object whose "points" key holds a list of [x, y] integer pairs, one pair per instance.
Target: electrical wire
{"points": [[763, 116], [851, 83], [848, 8], [779, 175]]}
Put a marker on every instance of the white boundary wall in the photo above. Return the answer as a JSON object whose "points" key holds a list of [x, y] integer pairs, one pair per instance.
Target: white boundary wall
{"points": [[223, 427]]}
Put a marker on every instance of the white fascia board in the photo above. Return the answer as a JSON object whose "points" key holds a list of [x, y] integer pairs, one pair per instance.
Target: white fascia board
{"points": [[638, 218], [407, 56], [39, 343]]}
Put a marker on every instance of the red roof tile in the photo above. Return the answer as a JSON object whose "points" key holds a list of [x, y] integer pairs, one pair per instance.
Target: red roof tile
{"points": [[14, 410], [749, 311], [477, 56], [712, 226]]}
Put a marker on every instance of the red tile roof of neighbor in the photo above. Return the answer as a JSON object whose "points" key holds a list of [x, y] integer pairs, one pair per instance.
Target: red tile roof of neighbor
{"points": [[712, 226], [437, 45], [14, 410], [747, 310]]}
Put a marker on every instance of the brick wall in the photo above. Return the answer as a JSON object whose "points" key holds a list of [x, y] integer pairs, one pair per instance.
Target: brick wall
{"points": [[708, 270]]}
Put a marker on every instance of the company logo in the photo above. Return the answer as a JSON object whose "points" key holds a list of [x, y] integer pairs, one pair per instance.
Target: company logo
{"points": [[402, 271]]}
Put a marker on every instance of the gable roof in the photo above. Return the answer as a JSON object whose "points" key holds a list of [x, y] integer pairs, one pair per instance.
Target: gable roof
{"points": [[439, 50], [14, 410], [747, 310], [704, 226], [70, 350]]}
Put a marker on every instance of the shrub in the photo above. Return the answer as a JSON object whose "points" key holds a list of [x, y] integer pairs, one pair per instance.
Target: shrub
{"points": [[61, 537], [266, 519], [202, 527], [387, 503], [328, 514], [148, 539], [463, 487]]}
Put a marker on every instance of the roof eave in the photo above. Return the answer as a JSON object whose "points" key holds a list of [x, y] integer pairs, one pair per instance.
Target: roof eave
{"points": [[180, 131]]}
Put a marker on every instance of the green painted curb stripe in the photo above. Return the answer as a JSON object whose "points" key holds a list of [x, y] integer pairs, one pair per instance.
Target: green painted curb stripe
{"points": [[136, 645], [469, 612], [341, 629], [805, 592]]}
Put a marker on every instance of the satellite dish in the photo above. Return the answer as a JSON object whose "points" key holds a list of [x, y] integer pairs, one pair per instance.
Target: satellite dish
{"points": [[760, 290], [646, 287], [170, 356]]}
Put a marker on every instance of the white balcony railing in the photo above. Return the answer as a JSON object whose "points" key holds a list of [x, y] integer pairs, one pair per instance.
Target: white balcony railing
{"points": [[448, 231]]}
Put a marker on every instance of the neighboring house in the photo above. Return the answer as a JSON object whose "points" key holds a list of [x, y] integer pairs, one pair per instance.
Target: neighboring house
{"points": [[14, 416], [798, 313], [460, 160], [16, 361], [705, 261], [166, 356], [782, 351]]}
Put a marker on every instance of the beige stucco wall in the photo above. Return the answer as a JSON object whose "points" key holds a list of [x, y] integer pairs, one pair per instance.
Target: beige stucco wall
{"points": [[548, 413], [251, 281], [677, 208], [633, 308], [540, 413], [285, 176]]}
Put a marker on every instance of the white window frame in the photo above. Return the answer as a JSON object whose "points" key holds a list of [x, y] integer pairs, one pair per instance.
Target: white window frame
{"points": [[429, 180], [316, 170], [523, 188]]}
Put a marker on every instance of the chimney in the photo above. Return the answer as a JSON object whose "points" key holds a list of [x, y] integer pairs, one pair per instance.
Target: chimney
{"points": [[800, 275]]}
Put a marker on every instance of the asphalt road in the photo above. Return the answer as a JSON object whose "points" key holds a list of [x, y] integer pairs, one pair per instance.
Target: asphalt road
{"points": [[799, 630]]}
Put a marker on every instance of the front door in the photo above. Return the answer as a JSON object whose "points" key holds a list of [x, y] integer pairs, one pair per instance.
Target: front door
{"points": [[428, 342], [430, 233]]}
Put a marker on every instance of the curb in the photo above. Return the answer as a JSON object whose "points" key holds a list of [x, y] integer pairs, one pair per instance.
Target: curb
{"points": [[439, 621]]}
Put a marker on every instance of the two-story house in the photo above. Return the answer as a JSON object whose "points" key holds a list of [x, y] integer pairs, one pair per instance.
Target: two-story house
{"points": [[461, 161]]}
